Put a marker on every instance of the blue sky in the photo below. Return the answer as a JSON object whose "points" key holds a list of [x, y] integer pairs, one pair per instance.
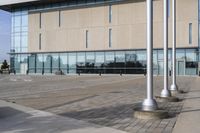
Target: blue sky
{"points": [[5, 34]]}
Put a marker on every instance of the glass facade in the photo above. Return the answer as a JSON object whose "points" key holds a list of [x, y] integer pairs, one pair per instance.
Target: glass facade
{"points": [[108, 62], [126, 62], [19, 41]]}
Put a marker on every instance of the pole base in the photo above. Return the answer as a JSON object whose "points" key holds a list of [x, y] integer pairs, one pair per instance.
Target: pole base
{"points": [[149, 105], [165, 93], [167, 99], [174, 92], [154, 114]]}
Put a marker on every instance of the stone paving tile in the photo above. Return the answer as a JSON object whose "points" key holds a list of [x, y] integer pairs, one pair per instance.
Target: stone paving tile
{"points": [[106, 101]]}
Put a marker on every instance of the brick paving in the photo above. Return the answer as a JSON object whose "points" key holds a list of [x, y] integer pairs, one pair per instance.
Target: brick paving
{"points": [[103, 100]]}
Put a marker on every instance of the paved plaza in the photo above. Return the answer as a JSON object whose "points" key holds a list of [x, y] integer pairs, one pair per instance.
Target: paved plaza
{"points": [[105, 102]]}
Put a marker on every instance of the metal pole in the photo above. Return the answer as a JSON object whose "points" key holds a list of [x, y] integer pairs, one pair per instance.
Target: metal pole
{"points": [[174, 87], [149, 103], [165, 92]]}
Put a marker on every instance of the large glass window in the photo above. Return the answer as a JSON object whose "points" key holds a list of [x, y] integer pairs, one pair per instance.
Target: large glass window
{"points": [[81, 62], [90, 60], [24, 20], [109, 62], [130, 57], [191, 62], [120, 62], [19, 31], [141, 62], [72, 62], [63, 62], [180, 54], [155, 62], [17, 63], [55, 63], [191, 55], [47, 63], [39, 63], [31, 63], [99, 62]]}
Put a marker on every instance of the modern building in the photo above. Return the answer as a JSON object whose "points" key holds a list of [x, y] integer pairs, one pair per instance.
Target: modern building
{"points": [[98, 36]]}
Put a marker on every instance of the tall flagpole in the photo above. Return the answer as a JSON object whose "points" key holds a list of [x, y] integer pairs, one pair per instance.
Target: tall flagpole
{"points": [[149, 103], [174, 87], [165, 92]]}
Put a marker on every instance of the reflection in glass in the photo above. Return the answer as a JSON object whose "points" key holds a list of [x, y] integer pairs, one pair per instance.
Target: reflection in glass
{"points": [[17, 63], [99, 62], [191, 55], [47, 63], [31, 63], [81, 62], [120, 62], [155, 62], [131, 58], [109, 62], [63, 62], [55, 63], [39, 63], [89, 63], [180, 54], [72, 62]]}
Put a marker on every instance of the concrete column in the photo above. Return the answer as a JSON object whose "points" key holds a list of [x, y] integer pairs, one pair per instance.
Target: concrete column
{"points": [[174, 86], [149, 103], [165, 92]]}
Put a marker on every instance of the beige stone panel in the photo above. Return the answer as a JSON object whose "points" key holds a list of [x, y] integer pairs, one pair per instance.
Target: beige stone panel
{"points": [[70, 18], [84, 17], [158, 10], [183, 34], [157, 35], [82, 39], [115, 15], [170, 34], [139, 35], [50, 41], [124, 14], [98, 16], [123, 37], [33, 22], [73, 39], [96, 39], [61, 40], [32, 40], [140, 12], [50, 20], [187, 9]]}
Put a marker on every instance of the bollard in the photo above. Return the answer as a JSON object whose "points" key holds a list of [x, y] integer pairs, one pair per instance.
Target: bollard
{"points": [[120, 72], [170, 73]]}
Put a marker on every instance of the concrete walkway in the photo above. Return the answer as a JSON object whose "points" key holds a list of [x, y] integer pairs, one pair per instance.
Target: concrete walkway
{"points": [[189, 119], [15, 118]]}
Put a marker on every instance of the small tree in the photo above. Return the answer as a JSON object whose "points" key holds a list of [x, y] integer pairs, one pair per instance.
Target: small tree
{"points": [[4, 65]]}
